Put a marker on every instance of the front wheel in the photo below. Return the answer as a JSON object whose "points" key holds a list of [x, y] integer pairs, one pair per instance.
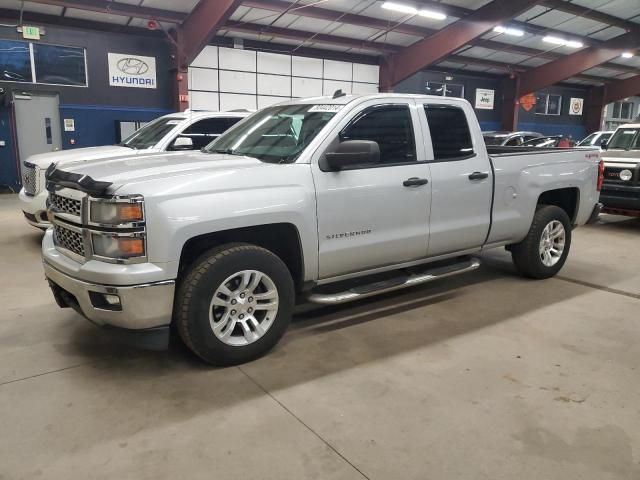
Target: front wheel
{"points": [[234, 304], [545, 248]]}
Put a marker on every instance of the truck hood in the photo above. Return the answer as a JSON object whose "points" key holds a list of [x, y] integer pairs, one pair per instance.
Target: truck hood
{"points": [[154, 173], [621, 156], [64, 158]]}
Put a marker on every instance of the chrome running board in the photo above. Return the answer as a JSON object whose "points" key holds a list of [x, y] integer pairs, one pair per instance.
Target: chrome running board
{"points": [[398, 283]]}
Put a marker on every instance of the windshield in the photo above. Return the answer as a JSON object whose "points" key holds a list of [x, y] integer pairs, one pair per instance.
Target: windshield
{"points": [[588, 141], [276, 134], [149, 135], [494, 139], [625, 139]]}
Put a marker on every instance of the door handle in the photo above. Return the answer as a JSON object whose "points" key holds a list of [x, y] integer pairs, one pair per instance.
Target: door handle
{"points": [[415, 182], [478, 176]]}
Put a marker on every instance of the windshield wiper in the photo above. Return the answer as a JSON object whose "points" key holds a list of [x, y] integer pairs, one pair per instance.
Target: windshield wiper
{"points": [[127, 145], [226, 151]]}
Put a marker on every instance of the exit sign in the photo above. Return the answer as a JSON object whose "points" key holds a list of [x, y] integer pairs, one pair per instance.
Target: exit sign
{"points": [[31, 33]]}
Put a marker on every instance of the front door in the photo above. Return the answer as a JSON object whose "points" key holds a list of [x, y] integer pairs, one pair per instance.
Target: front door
{"points": [[38, 123], [369, 216]]}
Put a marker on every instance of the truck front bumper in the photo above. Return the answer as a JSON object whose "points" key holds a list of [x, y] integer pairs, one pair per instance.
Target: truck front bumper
{"points": [[34, 208], [139, 313], [621, 199]]}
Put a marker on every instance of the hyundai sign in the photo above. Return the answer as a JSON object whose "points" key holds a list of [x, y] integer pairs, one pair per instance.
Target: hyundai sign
{"points": [[132, 71]]}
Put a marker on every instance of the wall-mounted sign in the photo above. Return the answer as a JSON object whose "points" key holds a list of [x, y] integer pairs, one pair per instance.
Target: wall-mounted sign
{"points": [[575, 107], [484, 98], [69, 125], [30, 33], [528, 101], [132, 71]]}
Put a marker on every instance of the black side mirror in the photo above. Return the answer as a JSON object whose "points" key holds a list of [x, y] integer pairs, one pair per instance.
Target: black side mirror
{"points": [[351, 153], [603, 144]]}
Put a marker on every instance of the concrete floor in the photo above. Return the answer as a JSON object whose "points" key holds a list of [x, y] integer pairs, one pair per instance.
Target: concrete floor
{"points": [[486, 376]]}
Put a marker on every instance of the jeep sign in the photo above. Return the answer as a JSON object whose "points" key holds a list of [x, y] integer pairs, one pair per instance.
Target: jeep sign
{"points": [[484, 98], [132, 71]]}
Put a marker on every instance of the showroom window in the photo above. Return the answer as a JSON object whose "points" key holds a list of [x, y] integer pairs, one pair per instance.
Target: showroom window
{"points": [[548, 104], [15, 61], [388, 125], [59, 65], [622, 110], [40, 63], [444, 89], [205, 131], [450, 135]]}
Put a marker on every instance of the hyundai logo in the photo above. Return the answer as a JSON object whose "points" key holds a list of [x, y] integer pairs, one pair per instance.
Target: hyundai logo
{"points": [[132, 66]]}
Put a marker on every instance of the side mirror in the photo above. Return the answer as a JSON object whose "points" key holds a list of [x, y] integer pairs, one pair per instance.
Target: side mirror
{"points": [[182, 143], [603, 144], [351, 153]]}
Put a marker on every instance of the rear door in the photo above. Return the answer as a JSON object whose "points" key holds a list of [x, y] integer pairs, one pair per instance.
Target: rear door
{"points": [[369, 216], [461, 179]]}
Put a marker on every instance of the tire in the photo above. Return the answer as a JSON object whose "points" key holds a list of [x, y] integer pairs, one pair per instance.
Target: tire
{"points": [[528, 256], [224, 269]]}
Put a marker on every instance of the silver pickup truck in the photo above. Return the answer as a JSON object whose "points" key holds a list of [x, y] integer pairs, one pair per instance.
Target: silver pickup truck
{"points": [[326, 200]]}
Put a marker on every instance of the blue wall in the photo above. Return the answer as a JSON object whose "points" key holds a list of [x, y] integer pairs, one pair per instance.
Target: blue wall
{"points": [[95, 124], [8, 173]]}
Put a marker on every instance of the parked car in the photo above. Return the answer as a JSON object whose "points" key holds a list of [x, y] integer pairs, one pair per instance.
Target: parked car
{"points": [[326, 200], [596, 139], [550, 141], [508, 139], [621, 190], [173, 132]]}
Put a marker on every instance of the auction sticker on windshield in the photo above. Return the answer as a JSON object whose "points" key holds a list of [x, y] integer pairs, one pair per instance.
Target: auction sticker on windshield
{"points": [[326, 108]]}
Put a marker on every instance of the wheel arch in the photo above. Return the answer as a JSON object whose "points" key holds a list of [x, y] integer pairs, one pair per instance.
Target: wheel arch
{"points": [[567, 198], [282, 239]]}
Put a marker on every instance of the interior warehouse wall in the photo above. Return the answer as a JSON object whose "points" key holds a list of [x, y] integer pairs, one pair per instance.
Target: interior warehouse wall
{"points": [[97, 107], [489, 119], [563, 124], [223, 78]]}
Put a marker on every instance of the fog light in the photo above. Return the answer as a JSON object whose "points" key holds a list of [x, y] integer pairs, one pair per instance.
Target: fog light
{"points": [[626, 175], [112, 299]]}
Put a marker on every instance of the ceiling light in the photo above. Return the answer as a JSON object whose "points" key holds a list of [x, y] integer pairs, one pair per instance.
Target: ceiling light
{"points": [[397, 7], [627, 55], [432, 14], [516, 32], [563, 42], [408, 9]]}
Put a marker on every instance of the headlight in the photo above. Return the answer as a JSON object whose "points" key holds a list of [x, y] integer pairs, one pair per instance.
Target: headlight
{"points": [[118, 247], [117, 211], [626, 175]]}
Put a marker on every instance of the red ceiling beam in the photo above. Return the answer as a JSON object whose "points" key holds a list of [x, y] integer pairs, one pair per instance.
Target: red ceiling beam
{"points": [[201, 25], [304, 36], [444, 42], [117, 8], [620, 89], [570, 65]]}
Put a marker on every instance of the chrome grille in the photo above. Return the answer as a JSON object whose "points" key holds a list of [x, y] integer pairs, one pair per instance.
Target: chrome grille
{"points": [[65, 205], [30, 179], [66, 238]]}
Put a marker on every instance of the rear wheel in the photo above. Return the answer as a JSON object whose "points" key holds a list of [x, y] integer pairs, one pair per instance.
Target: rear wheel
{"points": [[545, 248], [234, 304]]}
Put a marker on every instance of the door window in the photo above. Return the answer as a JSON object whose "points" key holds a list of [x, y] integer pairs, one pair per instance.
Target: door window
{"points": [[450, 135], [388, 125], [514, 142], [203, 132]]}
